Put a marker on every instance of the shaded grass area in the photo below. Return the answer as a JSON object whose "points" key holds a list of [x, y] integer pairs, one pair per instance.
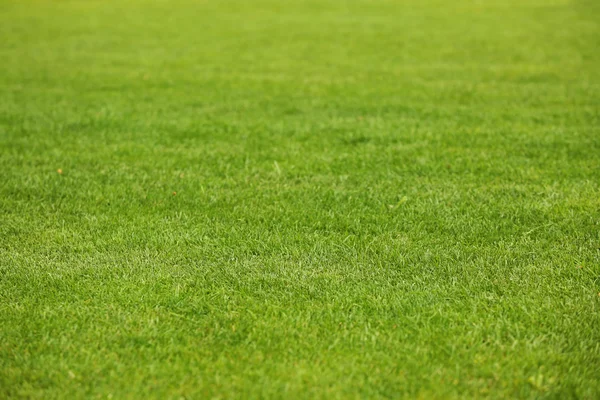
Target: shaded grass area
{"points": [[330, 199]]}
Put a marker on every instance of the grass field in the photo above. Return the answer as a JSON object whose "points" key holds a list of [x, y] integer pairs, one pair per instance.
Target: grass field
{"points": [[300, 199]]}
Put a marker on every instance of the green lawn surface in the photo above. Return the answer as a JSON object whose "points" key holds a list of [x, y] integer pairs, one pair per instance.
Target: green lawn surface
{"points": [[311, 199]]}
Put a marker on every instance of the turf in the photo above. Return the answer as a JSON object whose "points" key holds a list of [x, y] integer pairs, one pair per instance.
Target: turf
{"points": [[300, 199]]}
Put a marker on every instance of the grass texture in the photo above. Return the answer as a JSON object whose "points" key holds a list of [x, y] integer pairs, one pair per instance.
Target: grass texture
{"points": [[299, 199]]}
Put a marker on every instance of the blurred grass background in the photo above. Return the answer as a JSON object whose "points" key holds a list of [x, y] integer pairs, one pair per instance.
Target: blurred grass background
{"points": [[319, 199]]}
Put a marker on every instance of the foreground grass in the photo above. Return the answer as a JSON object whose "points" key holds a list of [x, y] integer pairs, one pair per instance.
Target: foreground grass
{"points": [[317, 199]]}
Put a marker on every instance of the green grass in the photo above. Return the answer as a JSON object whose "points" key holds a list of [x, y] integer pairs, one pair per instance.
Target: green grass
{"points": [[300, 199]]}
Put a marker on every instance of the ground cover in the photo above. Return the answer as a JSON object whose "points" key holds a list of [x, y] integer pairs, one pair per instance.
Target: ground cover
{"points": [[303, 199]]}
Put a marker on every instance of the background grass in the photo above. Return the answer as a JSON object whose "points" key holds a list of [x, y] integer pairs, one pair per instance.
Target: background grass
{"points": [[318, 199]]}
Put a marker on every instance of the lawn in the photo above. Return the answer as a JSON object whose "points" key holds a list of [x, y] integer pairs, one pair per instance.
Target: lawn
{"points": [[299, 199]]}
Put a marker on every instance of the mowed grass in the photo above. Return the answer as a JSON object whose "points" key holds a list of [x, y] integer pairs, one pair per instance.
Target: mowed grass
{"points": [[300, 199]]}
